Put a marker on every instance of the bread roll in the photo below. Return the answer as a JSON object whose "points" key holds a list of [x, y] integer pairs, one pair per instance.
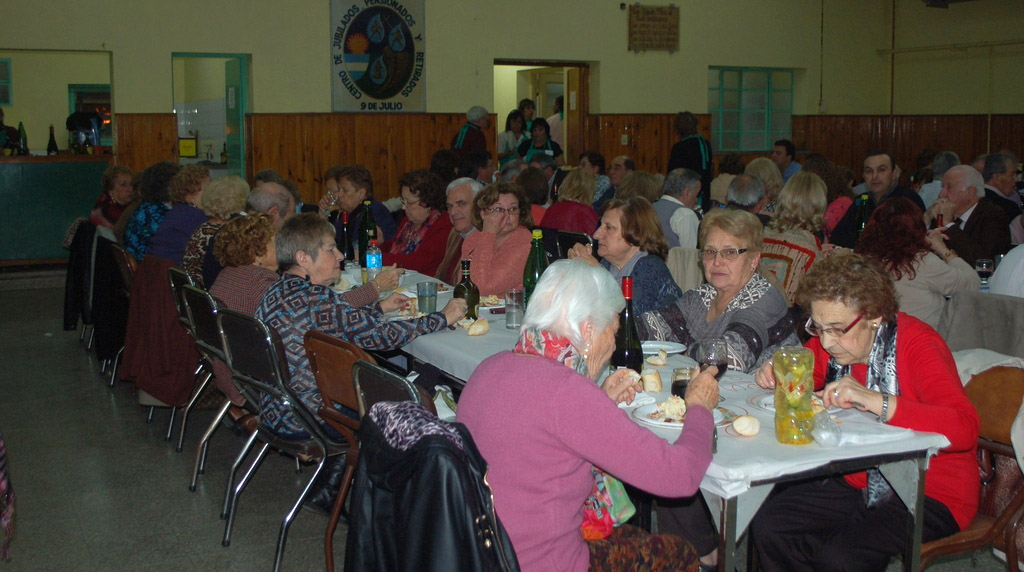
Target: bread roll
{"points": [[464, 323], [658, 360], [651, 380], [746, 425], [479, 327]]}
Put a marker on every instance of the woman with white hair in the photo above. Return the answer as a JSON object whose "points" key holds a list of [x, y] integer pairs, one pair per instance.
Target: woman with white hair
{"points": [[543, 393]]}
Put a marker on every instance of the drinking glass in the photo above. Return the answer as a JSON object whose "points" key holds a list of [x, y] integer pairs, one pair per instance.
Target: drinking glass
{"points": [[514, 308], [426, 294], [984, 267], [714, 353]]}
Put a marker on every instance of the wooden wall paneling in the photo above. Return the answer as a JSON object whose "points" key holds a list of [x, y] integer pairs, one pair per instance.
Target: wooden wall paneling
{"points": [[144, 139]]}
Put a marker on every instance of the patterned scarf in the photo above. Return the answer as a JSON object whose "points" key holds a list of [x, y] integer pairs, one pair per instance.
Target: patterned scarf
{"points": [[547, 344], [881, 377], [409, 236]]}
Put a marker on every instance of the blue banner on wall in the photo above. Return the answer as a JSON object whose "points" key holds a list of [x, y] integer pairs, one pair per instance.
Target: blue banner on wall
{"points": [[377, 56]]}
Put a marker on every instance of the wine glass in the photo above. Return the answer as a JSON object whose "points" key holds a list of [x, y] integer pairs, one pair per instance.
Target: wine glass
{"points": [[714, 353], [984, 267]]}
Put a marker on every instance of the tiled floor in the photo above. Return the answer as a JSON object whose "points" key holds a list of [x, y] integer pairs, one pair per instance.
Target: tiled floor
{"points": [[99, 489]]}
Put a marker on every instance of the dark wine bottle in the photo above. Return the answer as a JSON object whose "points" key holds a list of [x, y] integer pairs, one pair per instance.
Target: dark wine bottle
{"points": [[629, 352], [468, 290], [367, 232], [224, 153], [536, 263], [345, 245], [51, 146]]}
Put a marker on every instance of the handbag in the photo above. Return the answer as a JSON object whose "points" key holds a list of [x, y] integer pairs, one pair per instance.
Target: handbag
{"points": [[607, 506]]}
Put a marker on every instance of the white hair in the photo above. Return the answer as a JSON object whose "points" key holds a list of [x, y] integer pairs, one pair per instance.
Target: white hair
{"points": [[972, 178], [570, 292], [476, 113], [475, 185]]}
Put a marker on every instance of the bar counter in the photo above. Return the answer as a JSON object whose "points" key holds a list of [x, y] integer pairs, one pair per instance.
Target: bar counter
{"points": [[39, 198]]}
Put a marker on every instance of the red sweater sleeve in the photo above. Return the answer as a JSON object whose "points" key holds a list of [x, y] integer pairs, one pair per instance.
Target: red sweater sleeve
{"points": [[492, 270], [429, 254], [932, 399]]}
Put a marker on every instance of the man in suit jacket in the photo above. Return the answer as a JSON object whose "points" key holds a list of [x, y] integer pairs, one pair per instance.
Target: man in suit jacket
{"points": [[974, 227], [1001, 183], [882, 181]]}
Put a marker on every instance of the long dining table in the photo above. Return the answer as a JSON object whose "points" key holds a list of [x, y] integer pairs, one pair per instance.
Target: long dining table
{"points": [[744, 469]]}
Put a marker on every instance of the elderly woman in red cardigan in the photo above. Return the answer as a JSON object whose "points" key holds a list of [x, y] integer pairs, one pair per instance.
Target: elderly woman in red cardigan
{"points": [[871, 357]]}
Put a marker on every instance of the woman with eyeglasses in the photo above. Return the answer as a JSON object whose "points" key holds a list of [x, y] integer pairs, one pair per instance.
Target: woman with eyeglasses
{"points": [[736, 303], [423, 235], [630, 243], [870, 356], [500, 246]]}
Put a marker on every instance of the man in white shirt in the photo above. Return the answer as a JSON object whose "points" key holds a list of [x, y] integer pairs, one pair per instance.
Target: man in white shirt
{"points": [[675, 209], [941, 163]]}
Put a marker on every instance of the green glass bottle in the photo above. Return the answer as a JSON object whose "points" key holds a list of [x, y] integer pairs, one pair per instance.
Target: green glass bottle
{"points": [[536, 263], [367, 232], [468, 290], [22, 140]]}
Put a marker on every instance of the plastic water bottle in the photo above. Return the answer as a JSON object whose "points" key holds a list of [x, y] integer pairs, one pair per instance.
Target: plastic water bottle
{"points": [[374, 260]]}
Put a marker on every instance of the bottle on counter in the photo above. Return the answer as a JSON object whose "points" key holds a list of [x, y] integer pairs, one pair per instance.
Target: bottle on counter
{"points": [[536, 263], [629, 353], [374, 261], [224, 154], [22, 140], [51, 146], [468, 290]]}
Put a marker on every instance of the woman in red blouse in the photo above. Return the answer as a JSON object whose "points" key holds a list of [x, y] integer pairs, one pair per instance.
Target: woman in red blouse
{"points": [[423, 234], [871, 357], [117, 194]]}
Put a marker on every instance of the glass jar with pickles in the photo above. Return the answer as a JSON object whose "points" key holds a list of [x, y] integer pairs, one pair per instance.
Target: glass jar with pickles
{"points": [[794, 384]]}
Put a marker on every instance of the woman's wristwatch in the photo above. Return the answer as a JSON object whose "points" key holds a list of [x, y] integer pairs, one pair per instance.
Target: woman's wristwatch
{"points": [[949, 254], [883, 417]]}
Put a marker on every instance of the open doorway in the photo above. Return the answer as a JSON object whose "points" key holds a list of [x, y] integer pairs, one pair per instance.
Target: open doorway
{"points": [[543, 82], [211, 98]]}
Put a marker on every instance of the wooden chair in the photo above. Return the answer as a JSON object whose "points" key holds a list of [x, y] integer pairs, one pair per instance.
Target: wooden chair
{"points": [[996, 394], [331, 361]]}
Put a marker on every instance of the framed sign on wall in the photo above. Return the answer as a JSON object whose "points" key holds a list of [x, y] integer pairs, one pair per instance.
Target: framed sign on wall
{"points": [[377, 56]]}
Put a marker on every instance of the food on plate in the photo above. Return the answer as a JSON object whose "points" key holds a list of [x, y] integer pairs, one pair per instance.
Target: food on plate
{"points": [[651, 380], [671, 411], [479, 327], [411, 311], [342, 284], [658, 360], [746, 425], [441, 288], [490, 301], [817, 405]]}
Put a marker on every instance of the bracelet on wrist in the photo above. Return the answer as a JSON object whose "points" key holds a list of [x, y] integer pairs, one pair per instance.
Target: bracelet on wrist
{"points": [[883, 417]]}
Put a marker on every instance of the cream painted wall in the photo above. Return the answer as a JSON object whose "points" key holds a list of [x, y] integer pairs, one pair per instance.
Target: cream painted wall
{"points": [[956, 81], [289, 46], [40, 83], [203, 79], [506, 95]]}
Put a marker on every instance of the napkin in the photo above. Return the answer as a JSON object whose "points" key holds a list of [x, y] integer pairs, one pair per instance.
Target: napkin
{"points": [[641, 399]]}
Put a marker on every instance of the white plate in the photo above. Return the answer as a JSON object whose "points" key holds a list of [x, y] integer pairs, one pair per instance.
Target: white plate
{"points": [[766, 401], [640, 414], [652, 347]]}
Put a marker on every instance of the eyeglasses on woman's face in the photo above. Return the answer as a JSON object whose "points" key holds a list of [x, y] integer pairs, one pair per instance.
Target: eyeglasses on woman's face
{"points": [[817, 331], [501, 210], [725, 254]]}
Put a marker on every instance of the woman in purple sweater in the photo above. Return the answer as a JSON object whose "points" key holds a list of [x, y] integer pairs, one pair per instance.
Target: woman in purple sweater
{"points": [[541, 422]]}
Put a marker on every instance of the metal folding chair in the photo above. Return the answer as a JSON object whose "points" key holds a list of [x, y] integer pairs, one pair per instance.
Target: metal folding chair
{"points": [[257, 360]]}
